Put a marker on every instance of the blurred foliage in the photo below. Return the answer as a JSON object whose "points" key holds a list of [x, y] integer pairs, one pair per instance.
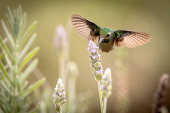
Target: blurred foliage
{"points": [[122, 86], [160, 95], [14, 72], [145, 63], [68, 71]]}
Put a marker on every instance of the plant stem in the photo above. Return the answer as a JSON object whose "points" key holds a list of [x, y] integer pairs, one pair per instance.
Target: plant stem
{"points": [[100, 97], [61, 66], [71, 97], [15, 54], [105, 105]]}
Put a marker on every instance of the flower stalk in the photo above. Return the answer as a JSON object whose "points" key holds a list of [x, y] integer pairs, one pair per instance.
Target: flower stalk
{"points": [[72, 73], [106, 87], [61, 47], [105, 105]]}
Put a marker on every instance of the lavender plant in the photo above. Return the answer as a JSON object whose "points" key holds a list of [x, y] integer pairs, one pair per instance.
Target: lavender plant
{"points": [[59, 96], [61, 49], [68, 71], [160, 94], [106, 87], [72, 74], [14, 93], [96, 67]]}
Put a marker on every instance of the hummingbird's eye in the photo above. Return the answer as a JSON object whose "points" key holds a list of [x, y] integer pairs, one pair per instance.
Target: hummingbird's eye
{"points": [[107, 35]]}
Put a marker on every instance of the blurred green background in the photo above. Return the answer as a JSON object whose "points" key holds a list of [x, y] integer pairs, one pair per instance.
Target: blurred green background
{"points": [[145, 63]]}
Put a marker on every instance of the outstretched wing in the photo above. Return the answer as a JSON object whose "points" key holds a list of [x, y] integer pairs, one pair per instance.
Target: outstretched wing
{"points": [[85, 28], [130, 39]]}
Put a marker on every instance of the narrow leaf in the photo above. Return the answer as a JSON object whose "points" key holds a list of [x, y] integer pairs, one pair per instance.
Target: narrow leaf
{"points": [[34, 110], [27, 103], [10, 14], [8, 61], [2, 108], [3, 70], [2, 77], [2, 55], [5, 40], [20, 10], [25, 36], [29, 69], [6, 104], [24, 85], [32, 87], [5, 96], [9, 24], [27, 58], [27, 46], [16, 24], [1, 102], [19, 14], [8, 33], [5, 49], [5, 87], [22, 25]]}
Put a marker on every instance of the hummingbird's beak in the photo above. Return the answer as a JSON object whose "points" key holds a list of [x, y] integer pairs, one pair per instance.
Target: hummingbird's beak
{"points": [[101, 38]]}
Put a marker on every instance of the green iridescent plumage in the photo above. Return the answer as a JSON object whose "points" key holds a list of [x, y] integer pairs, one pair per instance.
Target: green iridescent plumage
{"points": [[104, 32], [108, 38]]}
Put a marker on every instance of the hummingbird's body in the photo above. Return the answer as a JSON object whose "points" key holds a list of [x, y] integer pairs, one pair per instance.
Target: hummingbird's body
{"points": [[108, 38], [107, 43]]}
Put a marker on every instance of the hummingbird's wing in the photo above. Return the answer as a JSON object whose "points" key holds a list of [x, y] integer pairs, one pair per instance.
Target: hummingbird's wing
{"points": [[130, 39], [85, 28]]}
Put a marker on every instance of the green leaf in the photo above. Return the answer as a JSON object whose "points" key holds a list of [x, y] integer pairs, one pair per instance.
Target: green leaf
{"points": [[25, 36], [24, 85], [2, 77], [27, 58], [32, 87], [1, 102], [15, 24], [4, 85], [2, 108], [19, 16], [10, 14], [27, 46], [9, 24], [5, 49], [5, 97], [3, 70], [29, 69], [22, 25], [8, 33], [34, 110], [26, 104], [8, 61], [2, 55]]}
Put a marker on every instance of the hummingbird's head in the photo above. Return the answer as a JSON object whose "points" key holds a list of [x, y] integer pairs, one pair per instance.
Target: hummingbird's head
{"points": [[104, 33]]}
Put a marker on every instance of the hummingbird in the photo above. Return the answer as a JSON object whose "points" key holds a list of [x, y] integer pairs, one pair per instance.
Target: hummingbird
{"points": [[107, 38]]}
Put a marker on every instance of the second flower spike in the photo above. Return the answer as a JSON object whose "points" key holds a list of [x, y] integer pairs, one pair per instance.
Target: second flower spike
{"points": [[106, 83]]}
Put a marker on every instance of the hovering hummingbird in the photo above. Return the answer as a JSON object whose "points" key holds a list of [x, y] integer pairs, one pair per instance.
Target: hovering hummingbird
{"points": [[107, 37]]}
